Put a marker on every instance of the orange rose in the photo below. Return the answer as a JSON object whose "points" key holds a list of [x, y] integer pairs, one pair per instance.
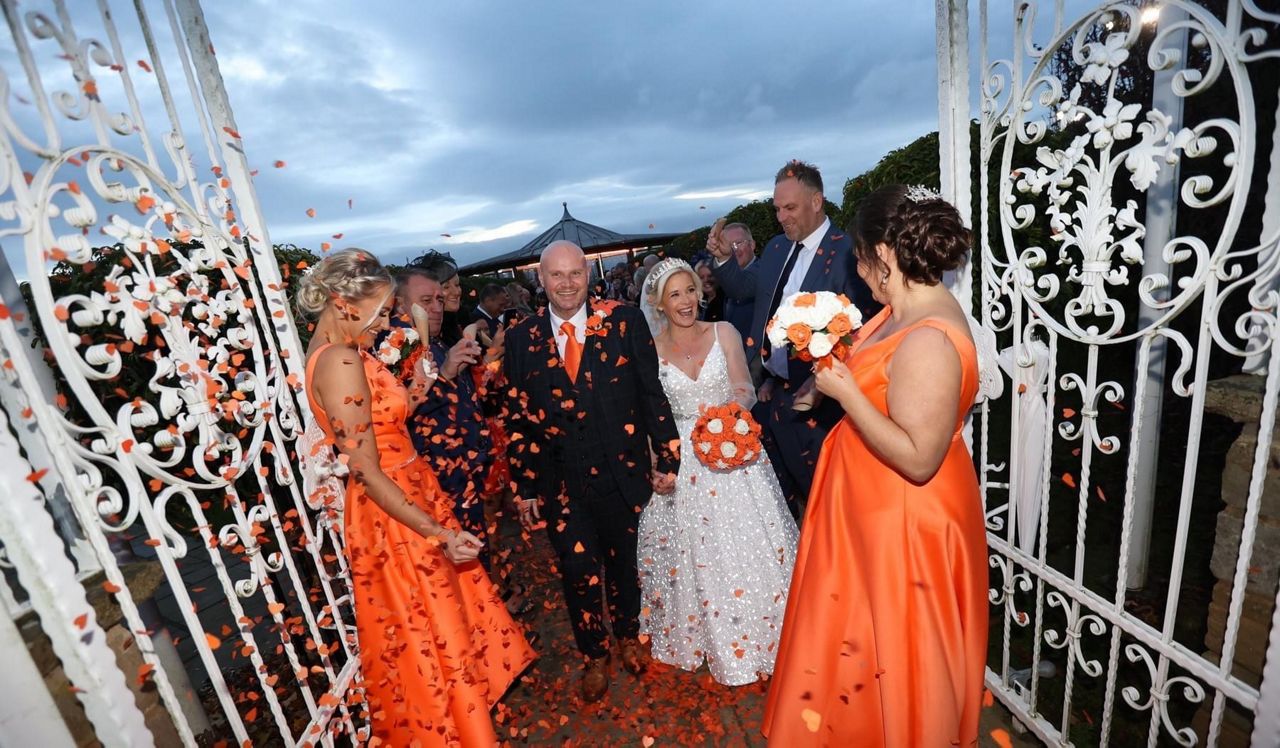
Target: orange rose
{"points": [[799, 335], [839, 351], [843, 299], [840, 325], [805, 299]]}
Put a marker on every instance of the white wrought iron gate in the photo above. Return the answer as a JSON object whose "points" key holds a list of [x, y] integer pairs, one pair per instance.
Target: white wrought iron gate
{"points": [[1124, 178], [155, 539]]}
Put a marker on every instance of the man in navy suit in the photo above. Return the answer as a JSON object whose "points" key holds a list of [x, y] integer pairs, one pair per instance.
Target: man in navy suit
{"points": [[738, 313], [493, 300], [810, 255]]}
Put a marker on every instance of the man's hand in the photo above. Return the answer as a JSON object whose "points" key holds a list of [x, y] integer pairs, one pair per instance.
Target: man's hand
{"points": [[663, 483], [716, 244], [529, 515], [766, 391], [463, 353]]}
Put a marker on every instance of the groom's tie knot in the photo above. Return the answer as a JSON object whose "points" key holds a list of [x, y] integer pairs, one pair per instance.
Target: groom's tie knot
{"points": [[572, 349]]}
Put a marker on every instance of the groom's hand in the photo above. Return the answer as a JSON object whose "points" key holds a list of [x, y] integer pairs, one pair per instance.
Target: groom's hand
{"points": [[663, 483]]}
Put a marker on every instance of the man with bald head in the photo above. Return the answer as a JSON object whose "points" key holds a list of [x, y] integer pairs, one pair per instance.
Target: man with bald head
{"points": [[585, 413]]}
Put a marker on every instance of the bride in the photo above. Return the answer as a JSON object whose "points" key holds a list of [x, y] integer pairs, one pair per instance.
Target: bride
{"points": [[715, 556]]}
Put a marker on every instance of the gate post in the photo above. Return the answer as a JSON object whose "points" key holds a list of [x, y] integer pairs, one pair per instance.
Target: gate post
{"points": [[954, 154], [28, 535]]}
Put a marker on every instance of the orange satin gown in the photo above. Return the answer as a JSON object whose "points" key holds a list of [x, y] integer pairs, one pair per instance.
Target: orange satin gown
{"points": [[885, 637], [437, 646]]}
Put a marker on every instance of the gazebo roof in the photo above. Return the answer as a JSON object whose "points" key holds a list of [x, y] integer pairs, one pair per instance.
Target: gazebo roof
{"points": [[593, 240]]}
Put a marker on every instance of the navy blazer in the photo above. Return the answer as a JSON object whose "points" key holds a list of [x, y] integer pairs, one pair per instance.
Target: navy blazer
{"points": [[617, 392], [739, 313], [834, 268]]}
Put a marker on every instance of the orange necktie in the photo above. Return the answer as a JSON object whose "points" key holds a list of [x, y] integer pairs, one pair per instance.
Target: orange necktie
{"points": [[572, 350]]}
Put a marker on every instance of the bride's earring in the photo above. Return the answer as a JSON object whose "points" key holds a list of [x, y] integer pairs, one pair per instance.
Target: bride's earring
{"points": [[884, 280]]}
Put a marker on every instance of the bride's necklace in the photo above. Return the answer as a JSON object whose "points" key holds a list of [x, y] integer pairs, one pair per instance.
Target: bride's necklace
{"points": [[680, 349]]}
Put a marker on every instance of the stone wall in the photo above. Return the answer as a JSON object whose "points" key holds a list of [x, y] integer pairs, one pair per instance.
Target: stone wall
{"points": [[1240, 399], [143, 578]]}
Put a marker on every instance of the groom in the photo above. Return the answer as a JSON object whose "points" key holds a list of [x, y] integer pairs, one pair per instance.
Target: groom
{"points": [[585, 412]]}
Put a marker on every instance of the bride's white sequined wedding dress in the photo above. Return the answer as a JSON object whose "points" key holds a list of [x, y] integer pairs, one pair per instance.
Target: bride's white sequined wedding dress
{"points": [[715, 556]]}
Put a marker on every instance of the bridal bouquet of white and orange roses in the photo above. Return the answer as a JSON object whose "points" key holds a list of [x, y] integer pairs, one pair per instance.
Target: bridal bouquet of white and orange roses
{"points": [[815, 325]]}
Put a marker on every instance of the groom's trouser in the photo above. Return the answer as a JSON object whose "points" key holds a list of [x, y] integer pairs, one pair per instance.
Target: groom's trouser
{"points": [[593, 533]]}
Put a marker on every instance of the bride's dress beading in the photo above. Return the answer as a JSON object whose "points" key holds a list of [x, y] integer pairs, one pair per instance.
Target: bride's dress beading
{"points": [[715, 556]]}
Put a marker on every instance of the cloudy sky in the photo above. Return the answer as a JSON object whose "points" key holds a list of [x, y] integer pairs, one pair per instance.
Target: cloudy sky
{"points": [[477, 119]]}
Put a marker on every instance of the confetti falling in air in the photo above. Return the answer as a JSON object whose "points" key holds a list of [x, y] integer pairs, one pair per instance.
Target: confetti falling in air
{"points": [[279, 164], [143, 64], [311, 212]]}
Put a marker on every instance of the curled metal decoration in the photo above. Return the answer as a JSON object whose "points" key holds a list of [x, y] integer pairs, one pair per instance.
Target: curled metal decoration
{"points": [[1073, 632], [1096, 241], [1089, 396], [1012, 583], [1157, 696], [209, 378]]}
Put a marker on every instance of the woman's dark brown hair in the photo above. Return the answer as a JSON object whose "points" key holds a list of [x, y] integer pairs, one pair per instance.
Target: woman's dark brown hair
{"points": [[927, 235]]}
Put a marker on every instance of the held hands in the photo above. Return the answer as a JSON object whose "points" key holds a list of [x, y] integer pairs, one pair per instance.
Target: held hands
{"points": [[716, 244], [663, 483], [463, 353], [766, 391], [461, 546], [529, 515]]}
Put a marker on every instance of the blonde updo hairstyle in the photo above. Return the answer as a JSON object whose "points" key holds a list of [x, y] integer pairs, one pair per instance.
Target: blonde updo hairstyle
{"points": [[655, 286], [350, 274]]}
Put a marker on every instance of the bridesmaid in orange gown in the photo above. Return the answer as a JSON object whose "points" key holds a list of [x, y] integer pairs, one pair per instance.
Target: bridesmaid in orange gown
{"points": [[437, 646], [885, 636]]}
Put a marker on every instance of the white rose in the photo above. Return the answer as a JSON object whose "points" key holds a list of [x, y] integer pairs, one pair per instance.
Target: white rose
{"points": [[854, 315], [742, 428], [715, 426], [777, 335], [728, 449], [390, 356], [820, 345]]}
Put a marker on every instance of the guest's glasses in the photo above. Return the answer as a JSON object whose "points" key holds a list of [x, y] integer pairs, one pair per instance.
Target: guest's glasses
{"points": [[740, 243]]}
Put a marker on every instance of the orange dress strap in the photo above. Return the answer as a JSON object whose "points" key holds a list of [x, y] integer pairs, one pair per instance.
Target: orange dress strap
{"points": [[317, 410]]}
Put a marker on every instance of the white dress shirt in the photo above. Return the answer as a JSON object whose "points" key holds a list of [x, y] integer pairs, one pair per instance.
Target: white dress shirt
{"points": [[777, 363], [579, 320]]}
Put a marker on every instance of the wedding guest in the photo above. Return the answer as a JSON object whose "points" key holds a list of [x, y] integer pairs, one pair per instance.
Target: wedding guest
{"points": [[492, 302], [448, 426], [519, 303], [743, 246], [810, 255], [444, 270], [711, 306], [437, 650], [885, 638], [715, 555]]}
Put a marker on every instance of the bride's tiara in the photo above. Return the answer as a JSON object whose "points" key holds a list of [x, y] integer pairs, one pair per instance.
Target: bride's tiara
{"points": [[662, 269]]}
